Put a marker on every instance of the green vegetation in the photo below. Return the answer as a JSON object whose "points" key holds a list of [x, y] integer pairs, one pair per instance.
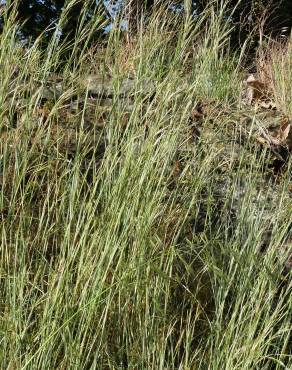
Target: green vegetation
{"points": [[150, 235]]}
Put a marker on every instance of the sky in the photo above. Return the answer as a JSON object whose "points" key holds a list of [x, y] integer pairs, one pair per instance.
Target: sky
{"points": [[113, 8]]}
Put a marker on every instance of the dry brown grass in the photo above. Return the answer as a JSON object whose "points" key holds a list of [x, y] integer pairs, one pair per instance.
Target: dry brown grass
{"points": [[274, 66]]}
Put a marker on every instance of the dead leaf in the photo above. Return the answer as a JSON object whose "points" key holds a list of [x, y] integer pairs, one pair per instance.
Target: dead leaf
{"points": [[285, 132], [256, 90]]}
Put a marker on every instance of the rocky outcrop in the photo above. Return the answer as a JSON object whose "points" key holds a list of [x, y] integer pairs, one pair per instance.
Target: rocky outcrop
{"points": [[100, 87], [105, 87]]}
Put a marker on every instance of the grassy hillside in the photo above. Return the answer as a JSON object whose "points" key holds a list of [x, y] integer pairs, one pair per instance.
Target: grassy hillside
{"points": [[149, 230]]}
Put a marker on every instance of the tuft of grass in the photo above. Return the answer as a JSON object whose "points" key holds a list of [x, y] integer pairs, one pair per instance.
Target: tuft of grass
{"points": [[275, 67], [139, 238]]}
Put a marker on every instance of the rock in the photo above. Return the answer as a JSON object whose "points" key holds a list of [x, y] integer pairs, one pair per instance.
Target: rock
{"points": [[100, 89], [48, 92], [106, 87]]}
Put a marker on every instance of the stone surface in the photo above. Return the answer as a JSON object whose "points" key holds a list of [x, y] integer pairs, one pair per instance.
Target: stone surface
{"points": [[106, 87]]}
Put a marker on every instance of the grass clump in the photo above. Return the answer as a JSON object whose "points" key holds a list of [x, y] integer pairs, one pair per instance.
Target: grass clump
{"points": [[150, 237], [276, 70]]}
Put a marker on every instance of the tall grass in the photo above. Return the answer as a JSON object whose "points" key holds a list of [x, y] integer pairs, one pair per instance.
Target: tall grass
{"points": [[275, 65], [138, 245]]}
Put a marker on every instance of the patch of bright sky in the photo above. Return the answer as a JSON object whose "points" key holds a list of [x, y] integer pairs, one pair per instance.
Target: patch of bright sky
{"points": [[113, 7]]}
